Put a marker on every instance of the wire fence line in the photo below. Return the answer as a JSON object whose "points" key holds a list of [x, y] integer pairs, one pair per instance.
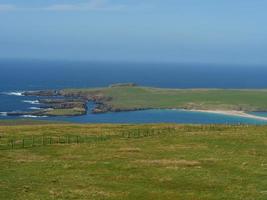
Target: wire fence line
{"points": [[9, 143], [36, 141]]}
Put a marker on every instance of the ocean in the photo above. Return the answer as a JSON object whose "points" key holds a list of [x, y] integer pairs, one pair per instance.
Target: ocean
{"points": [[22, 75]]}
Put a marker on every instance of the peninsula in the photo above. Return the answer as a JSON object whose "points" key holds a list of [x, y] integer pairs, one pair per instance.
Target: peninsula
{"points": [[131, 97]]}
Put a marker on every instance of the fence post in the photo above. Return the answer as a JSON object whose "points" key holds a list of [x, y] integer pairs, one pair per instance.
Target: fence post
{"points": [[12, 144], [77, 139], [23, 143], [43, 142], [32, 141]]}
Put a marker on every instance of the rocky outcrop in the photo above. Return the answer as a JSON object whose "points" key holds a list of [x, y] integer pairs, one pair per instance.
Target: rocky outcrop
{"points": [[55, 107], [42, 93], [63, 100], [73, 101], [127, 109], [104, 108], [100, 98], [63, 103], [101, 108]]}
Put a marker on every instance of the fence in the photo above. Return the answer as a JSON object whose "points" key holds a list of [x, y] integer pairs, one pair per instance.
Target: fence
{"points": [[7, 143], [35, 141], [140, 133]]}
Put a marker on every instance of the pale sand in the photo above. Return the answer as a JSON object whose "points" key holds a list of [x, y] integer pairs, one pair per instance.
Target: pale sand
{"points": [[232, 113]]}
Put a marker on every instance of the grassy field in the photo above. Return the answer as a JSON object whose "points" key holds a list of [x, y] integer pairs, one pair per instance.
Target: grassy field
{"points": [[190, 162], [28, 122], [66, 112], [144, 97]]}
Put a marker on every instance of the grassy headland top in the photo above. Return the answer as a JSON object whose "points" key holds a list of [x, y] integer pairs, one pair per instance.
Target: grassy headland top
{"points": [[134, 97]]}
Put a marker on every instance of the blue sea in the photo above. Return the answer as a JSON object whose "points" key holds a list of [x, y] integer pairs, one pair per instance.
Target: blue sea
{"points": [[22, 75]]}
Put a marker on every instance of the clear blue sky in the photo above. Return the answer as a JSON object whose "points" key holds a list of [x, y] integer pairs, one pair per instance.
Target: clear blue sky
{"points": [[207, 31]]}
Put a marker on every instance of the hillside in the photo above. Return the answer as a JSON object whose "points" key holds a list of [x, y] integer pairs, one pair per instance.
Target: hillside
{"points": [[135, 162]]}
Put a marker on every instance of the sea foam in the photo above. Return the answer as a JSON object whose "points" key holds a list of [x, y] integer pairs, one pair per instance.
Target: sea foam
{"points": [[4, 114], [16, 93], [35, 108], [35, 102], [32, 116]]}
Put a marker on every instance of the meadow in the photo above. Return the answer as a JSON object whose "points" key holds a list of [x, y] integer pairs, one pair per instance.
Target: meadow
{"points": [[152, 161]]}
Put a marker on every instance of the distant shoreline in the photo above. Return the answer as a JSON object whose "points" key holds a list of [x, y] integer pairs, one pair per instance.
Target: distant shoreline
{"points": [[231, 113], [123, 97]]}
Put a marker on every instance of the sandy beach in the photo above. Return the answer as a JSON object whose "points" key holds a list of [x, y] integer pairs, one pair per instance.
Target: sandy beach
{"points": [[232, 113]]}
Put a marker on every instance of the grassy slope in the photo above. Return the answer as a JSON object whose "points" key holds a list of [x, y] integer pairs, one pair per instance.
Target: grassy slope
{"points": [[142, 97], [197, 162], [27, 122], [65, 112]]}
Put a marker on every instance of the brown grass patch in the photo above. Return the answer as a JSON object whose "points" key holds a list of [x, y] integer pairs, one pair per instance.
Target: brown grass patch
{"points": [[209, 160], [169, 163], [25, 158], [94, 193], [130, 150], [182, 146], [71, 157]]}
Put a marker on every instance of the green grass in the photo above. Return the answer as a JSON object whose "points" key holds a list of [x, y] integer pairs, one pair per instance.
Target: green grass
{"points": [[28, 122], [144, 97], [191, 163], [66, 112]]}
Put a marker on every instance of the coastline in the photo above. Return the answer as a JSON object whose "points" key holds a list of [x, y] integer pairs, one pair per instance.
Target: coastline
{"points": [[122, 98], [231, 113]]}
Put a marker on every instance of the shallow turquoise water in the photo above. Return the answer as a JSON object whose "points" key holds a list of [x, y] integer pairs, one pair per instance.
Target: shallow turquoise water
{"points": [[261, 114], [155, 116]]}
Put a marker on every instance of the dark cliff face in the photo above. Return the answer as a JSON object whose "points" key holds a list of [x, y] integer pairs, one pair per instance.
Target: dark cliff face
{"points": [[100, 98], [53, 106], [42, 93], [64, 100], [64, 105], [101, 108]]}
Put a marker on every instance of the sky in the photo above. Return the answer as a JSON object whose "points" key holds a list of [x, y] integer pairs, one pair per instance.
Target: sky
{"points": [[204, 31]]}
